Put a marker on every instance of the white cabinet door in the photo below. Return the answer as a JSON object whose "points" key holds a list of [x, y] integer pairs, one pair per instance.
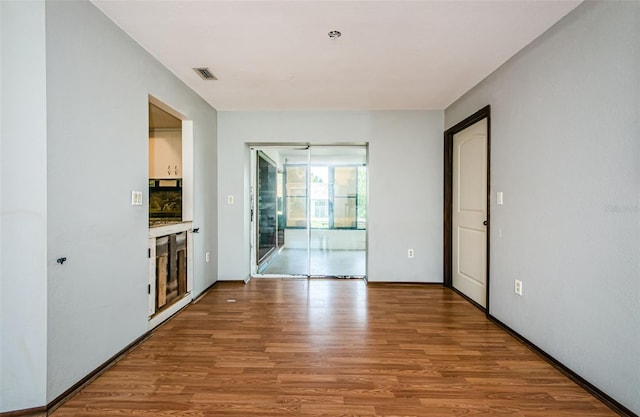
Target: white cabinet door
{"points": [[165, 154]]}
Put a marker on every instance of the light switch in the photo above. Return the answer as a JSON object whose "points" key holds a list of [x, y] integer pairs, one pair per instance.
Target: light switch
{"points": [[499, 199], [136, 198], [230, 199]]}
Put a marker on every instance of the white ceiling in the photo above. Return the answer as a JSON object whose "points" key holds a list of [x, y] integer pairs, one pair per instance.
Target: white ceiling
{"points": [[276, 55]]}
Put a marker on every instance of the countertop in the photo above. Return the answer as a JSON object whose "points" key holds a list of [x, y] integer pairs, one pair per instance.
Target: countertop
{"points": [[161, 228]]}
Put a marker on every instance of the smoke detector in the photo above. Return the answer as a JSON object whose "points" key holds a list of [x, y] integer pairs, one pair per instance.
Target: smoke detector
{"points": [[334, 34]]}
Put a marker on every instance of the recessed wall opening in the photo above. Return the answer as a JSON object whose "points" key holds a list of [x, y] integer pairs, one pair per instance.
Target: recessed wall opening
{"points": [[170, 244], [165, 167], [309, 211]]}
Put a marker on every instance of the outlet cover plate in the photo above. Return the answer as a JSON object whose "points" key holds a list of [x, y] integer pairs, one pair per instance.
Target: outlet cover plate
{"points": [[518, 287]]}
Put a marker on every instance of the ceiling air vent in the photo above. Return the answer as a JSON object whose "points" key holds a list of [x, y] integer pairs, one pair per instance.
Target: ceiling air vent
{"points": [[205, 74]]}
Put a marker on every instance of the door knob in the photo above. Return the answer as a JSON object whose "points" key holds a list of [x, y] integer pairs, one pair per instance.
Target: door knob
{"points": [[485, 223]]}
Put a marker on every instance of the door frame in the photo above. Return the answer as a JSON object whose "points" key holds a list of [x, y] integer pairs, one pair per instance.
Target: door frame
{"points": [[484, 113], [253, 148]]}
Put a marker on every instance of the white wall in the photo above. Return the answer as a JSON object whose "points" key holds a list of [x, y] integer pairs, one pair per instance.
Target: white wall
{"points": [[23, 202], [405, 183], [98, 83], [565, 150]]}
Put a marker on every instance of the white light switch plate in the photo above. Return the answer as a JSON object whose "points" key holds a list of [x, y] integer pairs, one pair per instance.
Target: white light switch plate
{"points": [[499, 198], [230, 199], [136, 198]]}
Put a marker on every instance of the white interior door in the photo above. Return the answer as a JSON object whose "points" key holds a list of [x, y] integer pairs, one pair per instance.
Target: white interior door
{"points": [[470, 212]]}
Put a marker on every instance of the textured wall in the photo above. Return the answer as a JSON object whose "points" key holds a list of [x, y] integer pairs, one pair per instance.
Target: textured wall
{"points": [[565, 150], [23, 203], [405, 183], [98, 83]]}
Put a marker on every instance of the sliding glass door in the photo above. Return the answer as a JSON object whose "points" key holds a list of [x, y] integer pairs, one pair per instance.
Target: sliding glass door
{"points": [[280, 203], [320, 211], [293, 259], [337, 239]]}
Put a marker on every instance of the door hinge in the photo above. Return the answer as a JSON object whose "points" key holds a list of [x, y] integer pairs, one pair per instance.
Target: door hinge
{"points": [[148, 288]]}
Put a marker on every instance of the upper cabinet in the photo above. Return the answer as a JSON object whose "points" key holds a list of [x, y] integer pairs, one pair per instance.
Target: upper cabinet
{"points": [[165, 153]]}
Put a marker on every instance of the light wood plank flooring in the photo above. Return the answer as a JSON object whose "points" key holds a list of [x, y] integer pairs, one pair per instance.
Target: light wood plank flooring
{"points": [[331, 348]]}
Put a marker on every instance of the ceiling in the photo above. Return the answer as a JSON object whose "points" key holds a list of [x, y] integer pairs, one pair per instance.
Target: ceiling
{"points": [[277, 55]]}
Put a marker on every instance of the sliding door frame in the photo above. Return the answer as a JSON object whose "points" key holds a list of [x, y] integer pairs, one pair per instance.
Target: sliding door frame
{"points": [[254, 148]]}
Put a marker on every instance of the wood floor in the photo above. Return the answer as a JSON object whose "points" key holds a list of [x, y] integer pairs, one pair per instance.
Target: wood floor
{"points": [[331, 348]]}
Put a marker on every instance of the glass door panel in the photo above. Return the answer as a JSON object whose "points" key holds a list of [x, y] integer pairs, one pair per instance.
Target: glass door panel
{"points": [[361, 199], [267, 207], [291, 256], [345, 192], [295, 185], [337, 234], [319, 197]]}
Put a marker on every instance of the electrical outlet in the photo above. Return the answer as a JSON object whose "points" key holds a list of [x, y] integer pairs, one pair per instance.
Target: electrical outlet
{"points": [[207, 256], [518, 287], [410, 253]]}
